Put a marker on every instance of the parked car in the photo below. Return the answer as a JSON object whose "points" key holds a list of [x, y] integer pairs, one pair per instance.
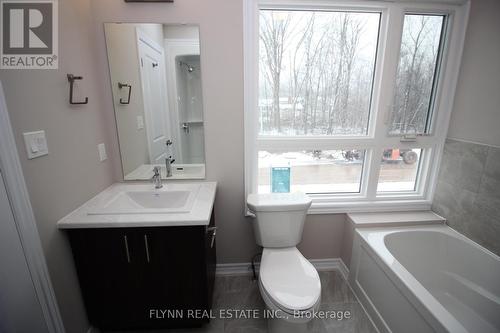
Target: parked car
{"points": [[351, 155]]}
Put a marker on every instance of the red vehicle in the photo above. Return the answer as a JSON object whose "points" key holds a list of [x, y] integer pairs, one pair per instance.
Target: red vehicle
{"points": [[395, 155], [408, 156]]}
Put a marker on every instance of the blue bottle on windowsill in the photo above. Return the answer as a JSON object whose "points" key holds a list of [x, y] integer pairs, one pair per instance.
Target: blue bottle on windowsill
{"points": [[280, 179]]}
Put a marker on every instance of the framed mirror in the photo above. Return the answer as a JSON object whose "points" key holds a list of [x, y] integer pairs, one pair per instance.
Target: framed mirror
{"points": [[156, 83]]}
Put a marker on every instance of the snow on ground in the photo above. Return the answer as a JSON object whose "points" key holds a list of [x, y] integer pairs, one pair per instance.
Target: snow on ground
{"points": [[267, 159]]}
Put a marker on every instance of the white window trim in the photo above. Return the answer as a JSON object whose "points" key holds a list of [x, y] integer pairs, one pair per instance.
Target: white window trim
{"points": [[387, 59]]}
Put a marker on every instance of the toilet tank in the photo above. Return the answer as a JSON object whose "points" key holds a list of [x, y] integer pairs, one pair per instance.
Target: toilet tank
{"points": [[279, 218]]}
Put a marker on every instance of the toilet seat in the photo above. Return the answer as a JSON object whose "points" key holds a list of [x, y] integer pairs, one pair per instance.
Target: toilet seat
{"points": [[289, 280]]}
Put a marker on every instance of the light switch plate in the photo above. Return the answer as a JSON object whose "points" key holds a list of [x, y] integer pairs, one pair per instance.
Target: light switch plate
{"points": [[101, 148], [36, 144]]}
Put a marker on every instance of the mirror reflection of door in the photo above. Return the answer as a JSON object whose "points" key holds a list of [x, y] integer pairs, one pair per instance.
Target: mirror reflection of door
{"points": [[154, 94], [159, 64]]}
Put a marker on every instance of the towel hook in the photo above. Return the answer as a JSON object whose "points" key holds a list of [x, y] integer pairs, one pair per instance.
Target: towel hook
{"points": [[125, 85], [71, 79]]}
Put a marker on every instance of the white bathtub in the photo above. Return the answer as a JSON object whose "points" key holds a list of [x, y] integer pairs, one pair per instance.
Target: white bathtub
{"points": [[426, 279]]}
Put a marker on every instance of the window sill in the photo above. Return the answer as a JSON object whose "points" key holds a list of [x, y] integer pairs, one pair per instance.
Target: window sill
{"points": [[367, 206], [345, 207], [394, 219]]}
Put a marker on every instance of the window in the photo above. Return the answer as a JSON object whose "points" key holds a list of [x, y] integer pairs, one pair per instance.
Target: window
{"points": [[416, 77], [398, 170], [314, 171], [316, 72], [348, 103]]}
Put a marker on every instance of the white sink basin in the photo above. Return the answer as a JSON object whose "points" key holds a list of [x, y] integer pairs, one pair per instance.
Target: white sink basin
{"points": [[172, 198], [156, 199], [124, 205]]}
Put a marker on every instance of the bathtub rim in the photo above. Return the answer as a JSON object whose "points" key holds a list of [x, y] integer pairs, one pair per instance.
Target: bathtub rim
{"points": [[436, 315], [442, 228]]}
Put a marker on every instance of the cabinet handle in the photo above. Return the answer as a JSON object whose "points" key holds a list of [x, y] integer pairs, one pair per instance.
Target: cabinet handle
{"points": [[214, 233], [146, 245], [126, 248]]}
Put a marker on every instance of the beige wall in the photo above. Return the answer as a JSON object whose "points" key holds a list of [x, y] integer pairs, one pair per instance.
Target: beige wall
{"points": [[323, 236], [181, 31], [476, 112], [222, 70], [71, 173], [221, 47]]}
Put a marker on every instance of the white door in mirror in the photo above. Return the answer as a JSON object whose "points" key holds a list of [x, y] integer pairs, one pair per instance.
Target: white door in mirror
{"points": [[36, 144], [152, 70]]}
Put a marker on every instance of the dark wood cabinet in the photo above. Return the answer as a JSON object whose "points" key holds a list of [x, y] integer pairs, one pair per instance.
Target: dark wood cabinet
{"points": [[125, 273]]}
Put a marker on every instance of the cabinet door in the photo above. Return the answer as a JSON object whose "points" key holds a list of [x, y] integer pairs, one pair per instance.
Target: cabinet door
{"points": [[172, 272], [128, 273], [105, 261]]}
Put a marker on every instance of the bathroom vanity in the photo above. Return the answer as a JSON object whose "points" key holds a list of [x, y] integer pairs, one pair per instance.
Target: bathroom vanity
{"points": [[145, 257], [145, 254]]}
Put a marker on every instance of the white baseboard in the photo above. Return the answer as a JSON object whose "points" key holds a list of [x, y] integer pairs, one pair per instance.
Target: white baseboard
{"points": [[244, 268], [330, 264]]}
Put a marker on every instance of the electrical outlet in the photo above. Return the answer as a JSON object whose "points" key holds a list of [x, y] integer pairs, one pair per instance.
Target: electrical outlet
{"points": [[101, 148], [140, 122]]}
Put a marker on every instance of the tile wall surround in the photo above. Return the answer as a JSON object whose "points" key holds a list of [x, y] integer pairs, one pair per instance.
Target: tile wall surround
{"points": [[468, 191]]}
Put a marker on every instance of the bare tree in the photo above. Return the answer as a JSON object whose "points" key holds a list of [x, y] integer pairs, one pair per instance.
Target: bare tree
{"points": [[273, 35], [416, 69], [326, 90]]}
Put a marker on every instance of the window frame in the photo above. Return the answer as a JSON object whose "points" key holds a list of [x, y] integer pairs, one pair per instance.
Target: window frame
{"points": [[377, 138]]}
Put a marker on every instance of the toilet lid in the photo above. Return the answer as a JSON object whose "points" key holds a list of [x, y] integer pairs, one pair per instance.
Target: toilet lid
{"points": [[289, 279]]}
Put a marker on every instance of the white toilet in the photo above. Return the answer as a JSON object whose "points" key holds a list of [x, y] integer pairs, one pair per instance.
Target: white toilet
{"points": [[288, 282]]}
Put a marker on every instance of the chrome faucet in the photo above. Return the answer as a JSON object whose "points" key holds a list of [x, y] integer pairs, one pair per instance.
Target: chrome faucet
{"points": [[168, 164], [157, 177]]}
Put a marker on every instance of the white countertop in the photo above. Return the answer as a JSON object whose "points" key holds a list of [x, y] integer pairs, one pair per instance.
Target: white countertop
{"points": [[199, 214]]}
